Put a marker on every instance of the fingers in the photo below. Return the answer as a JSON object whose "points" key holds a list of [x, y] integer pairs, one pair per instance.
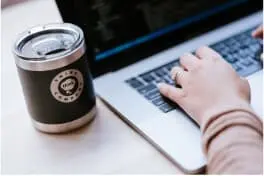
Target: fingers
{"points": [[258, 33], [205, 52], [171, 92], [189, 61], [178, 75]]}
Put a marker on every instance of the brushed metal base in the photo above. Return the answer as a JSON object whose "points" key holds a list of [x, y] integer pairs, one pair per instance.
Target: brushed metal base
{"points": [[65, 127]]}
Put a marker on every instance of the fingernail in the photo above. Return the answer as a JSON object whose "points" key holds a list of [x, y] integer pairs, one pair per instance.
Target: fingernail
{"points": [[173, 75], [172, 70], [160, 85]]}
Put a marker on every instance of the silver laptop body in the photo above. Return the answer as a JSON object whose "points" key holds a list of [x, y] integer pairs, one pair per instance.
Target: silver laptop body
{"points": [[173, 133]]}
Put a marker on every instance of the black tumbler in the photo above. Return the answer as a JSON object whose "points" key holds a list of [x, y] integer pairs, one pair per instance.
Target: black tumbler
{"points": [[55, 77]]}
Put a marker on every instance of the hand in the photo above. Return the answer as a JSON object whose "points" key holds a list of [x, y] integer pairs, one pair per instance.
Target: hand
{"points": [[209, 85], [258, 33]]}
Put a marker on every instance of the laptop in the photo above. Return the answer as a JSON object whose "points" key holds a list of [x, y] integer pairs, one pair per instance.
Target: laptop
{"points": [[133, 44]]}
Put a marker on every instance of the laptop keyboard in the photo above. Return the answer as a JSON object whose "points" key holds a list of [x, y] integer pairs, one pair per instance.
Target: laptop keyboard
{"points": [[241, 51]]}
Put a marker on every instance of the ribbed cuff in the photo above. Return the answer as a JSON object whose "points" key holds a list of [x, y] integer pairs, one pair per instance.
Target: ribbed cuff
{"points": [[236, 117]]}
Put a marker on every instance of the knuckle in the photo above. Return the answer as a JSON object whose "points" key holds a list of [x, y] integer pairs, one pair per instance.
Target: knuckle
{"points": [[216, 58], [170, 94], [185, 56], [182, 59], [201, 49], [196, 67], [176, 69], [165, 92], [173, 95]]}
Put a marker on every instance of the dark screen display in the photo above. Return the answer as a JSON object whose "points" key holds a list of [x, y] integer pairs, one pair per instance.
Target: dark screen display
{"points": [[121, 32], [118, 25]]}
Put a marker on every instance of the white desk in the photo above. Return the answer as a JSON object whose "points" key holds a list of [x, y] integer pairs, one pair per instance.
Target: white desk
{"points": [[107, 145]]}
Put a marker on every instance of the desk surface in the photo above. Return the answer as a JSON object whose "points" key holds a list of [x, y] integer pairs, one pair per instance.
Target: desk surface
{"points": [[107, 145]]}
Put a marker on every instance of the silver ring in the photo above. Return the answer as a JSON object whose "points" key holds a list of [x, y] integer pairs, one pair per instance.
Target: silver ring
{"points": [[177, 75]]}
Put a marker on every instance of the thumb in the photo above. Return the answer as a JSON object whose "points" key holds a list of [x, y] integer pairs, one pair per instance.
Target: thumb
{"points": [[173, 93]]}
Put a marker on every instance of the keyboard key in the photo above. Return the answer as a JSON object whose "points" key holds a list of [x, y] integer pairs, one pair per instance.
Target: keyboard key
{"points": [[153, 94], [230, 58], [230, 42], [234, 49], [160, 80], [224, 53], [250, 69], [247, 62], [248, 51], [147, 88], [256, 56], [135, 83], [166, 108], [156, 81], [218, 47], [247, 41], [168, 69], [237, 56], [160, 72], [168, 80], [242, 53], [158, 101], [242, 47], [171, 65], [236, 67], [147, 77], [241, 38], [255, 47]]}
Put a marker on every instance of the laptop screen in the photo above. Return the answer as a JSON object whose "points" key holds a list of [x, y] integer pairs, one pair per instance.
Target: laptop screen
{"points": [[117, 29], [120, 25]]}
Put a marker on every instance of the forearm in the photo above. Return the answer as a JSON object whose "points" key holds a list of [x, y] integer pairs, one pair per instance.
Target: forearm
{"points": [[233, 144]]}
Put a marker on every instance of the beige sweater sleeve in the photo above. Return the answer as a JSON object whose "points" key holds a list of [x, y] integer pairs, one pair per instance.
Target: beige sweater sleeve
{"points": [[233, 143]]}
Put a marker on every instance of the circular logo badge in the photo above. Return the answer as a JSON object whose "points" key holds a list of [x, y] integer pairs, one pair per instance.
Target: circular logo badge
{"points": [[67, 86]]}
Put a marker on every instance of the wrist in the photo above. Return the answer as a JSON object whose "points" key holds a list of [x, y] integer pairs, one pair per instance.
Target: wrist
{"points": [[220, 109]]}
